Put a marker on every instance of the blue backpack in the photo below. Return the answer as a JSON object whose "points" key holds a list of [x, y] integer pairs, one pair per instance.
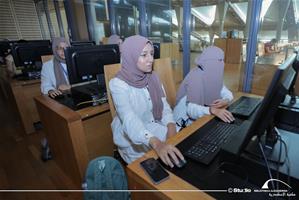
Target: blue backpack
{"points": [[105, 173]]}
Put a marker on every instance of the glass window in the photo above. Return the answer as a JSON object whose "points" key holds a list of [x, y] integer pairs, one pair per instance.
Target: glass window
{"points": [[52, 24], [124, 18], [223, 24], [43, 20], [277, 37], [165, 26], [159, 16]]}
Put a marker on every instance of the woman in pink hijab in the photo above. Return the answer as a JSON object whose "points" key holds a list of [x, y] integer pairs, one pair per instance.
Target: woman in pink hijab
{"points": [[202, 91], [144, 119], [114, 39]]}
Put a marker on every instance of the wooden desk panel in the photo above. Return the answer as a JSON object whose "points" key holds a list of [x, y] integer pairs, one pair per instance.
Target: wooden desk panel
{"points": [[24, 93], [75, 137], [98, 135]]}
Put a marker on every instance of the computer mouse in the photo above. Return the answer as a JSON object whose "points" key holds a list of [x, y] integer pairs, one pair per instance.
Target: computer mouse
{"points": [[232, 122], [181, 163]]}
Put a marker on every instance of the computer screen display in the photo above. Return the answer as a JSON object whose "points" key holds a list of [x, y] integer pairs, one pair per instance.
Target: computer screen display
{"points": [[83, 43], [84, 63], [27, 53], [277, 90]]}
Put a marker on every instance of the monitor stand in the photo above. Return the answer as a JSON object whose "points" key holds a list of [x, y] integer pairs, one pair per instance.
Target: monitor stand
{"points": [[273, 148]]}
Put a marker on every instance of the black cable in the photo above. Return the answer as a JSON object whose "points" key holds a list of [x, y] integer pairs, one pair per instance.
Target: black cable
{"points": [[279, 157], [266, 161]]}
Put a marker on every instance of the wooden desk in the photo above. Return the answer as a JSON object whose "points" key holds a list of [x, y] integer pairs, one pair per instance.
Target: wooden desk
{"points": [[75, 137], [139, 180], [24, 92]]}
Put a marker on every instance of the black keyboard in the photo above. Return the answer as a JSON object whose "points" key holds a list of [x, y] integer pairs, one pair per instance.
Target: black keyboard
{"points": [[213, 135], [245, 106]]}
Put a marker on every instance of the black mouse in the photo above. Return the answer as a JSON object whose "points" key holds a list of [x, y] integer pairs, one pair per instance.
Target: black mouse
{"points": [[181, 164]]}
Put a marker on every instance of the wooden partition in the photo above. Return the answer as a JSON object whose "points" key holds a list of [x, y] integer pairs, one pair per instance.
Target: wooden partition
{"points": [[232, 49], [170, 50], [221, 43], [24, 92], [233, 76], [75, 137]]}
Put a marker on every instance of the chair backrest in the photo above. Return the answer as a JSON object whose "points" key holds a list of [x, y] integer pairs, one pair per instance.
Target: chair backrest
{"points": [[163, 68], [110, 72]]}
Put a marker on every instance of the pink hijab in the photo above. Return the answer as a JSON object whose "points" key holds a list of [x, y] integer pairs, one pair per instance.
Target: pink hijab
{"points": [[113, 39], [203, 84], [58, 71], [129, 72]]}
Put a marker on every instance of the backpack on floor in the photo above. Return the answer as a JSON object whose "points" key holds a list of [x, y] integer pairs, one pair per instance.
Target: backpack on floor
{"points": [[105, 173]]}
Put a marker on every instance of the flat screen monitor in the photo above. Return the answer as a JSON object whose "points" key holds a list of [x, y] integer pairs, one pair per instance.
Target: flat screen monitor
{"points": [[276, 92], [292, 93], [83, 43], [28, 53], [84, 63], [156, 50]]}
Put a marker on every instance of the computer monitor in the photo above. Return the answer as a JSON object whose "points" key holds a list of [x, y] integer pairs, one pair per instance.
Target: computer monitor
{"points": [[28, 53], [84, 63], [292, 87], [156, 50], [83, 43], [264, 118]]}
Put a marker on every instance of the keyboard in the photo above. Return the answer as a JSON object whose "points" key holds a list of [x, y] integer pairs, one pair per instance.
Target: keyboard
{"points": [[245, 106], [213, 135]]}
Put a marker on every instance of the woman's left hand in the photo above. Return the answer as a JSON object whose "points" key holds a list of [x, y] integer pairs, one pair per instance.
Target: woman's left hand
{"points": [[219, 103]]}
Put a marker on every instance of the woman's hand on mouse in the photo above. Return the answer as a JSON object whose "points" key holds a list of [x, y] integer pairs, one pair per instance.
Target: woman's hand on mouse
{"points": [[165, 151], [223, 114]]}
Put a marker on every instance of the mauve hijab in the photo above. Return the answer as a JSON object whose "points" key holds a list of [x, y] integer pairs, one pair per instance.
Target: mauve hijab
{"points": [[58, 71], [113, 39], [203, 84], [129, 72]]}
